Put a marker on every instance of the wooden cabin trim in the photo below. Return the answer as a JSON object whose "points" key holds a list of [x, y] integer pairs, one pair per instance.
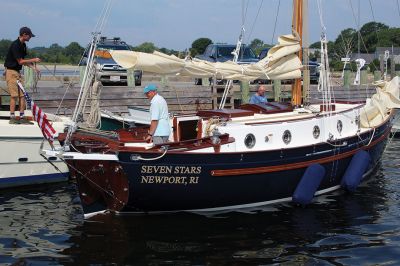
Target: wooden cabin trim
{"points": [[226, 113]]}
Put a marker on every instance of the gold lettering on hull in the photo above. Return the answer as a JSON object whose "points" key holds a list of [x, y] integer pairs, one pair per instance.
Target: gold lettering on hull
{"points": [[180, 175]]}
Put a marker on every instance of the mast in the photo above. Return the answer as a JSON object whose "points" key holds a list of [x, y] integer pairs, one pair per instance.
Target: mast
{"points": [[297, 25]]}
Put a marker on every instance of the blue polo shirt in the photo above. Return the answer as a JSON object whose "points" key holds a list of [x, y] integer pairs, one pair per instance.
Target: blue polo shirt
{"points": [[159, 111], [256, 99]]}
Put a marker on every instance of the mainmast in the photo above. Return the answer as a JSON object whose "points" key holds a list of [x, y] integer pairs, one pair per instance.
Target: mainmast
{"points": [[297, 25]]}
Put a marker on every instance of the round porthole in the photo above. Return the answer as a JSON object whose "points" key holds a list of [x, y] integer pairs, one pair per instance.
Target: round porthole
{"points": [[287, 137], [250, 141], [339, 126], [316, 132]]}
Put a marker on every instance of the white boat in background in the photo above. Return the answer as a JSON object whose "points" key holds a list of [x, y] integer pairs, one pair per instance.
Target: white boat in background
{"points": [[21, 162], [396, 125], [112, 121], [139, 115]]}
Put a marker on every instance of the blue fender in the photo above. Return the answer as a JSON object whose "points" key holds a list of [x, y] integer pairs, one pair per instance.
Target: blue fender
{"points": [[308, 184], [356, 169]]}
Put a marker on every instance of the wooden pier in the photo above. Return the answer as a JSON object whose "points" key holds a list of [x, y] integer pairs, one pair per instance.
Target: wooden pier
{"points": [[181, 94]]}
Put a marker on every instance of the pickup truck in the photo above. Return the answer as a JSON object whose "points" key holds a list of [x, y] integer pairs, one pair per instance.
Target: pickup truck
{"points": [[223, 53], [109, 71]]}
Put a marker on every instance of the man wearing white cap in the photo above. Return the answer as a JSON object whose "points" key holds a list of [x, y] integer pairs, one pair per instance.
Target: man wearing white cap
{"points": [[159, 127]]}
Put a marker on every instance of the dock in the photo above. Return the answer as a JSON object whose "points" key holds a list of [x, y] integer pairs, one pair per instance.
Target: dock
{"points": [[58, 94]]}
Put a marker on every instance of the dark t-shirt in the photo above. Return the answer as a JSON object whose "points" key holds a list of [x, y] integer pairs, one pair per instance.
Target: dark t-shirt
{"points": [[16, 51]]}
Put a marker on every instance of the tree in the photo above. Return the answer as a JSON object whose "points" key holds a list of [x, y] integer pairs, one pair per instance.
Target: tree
{"points": [[372, 28], [199, 46], [73, 49], [316, 45], [344, 44], [256, 44], [4, 45], [146, 47]]}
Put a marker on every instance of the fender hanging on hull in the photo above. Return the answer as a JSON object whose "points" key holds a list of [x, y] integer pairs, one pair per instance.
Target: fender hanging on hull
{"points": [[308, 184], [355, 171]]}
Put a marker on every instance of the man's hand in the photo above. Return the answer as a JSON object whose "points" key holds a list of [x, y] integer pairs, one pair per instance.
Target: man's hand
{"points": [[149, 138], [36, 60]]}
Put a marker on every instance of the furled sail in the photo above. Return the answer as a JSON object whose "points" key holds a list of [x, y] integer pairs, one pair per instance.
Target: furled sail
{"points": [[376, 109], [280, 63]]}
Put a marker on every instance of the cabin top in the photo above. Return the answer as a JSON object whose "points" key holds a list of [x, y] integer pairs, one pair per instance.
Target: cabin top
{"points": [[248, 110]]}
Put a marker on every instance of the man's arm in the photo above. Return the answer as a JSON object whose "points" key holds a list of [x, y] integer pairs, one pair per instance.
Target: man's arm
{"points": [[153, 127], [31, 63], [28, 62]]}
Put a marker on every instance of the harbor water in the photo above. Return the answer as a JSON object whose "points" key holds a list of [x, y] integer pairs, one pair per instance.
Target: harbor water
{"points": [[45, 226]]}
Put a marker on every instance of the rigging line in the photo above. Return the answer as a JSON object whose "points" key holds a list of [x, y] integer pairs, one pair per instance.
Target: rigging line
{"points": [[276, 21], [108, 13], [373, 17], [398, 7], [359, 34], [244, 12], [99, 19], [255, 19]]}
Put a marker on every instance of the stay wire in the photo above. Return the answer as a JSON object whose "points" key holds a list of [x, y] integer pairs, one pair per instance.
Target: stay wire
{"points": [[373, 17], [359, 33], [276, 21], [244, 11], [398, 7], [255, 20]]}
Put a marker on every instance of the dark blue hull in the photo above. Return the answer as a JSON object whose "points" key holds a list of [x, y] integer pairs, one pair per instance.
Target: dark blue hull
{"points": [[219, 181]]}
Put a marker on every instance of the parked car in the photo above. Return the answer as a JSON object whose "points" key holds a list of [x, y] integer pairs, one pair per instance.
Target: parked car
{"points": [[314, 71], [263, 53], [109, 71], [223, 53]]}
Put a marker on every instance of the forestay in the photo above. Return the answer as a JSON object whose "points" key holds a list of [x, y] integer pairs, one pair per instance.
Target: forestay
{"points": [[280, 63]]}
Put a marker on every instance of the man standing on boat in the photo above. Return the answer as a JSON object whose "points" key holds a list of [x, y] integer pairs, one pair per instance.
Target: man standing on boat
{"points": [[159, 127], [259, 97], [13, 65]]}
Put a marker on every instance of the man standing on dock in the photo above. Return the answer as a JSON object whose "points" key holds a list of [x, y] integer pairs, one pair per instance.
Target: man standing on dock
{"points": [[15, 59], [159, 126]]}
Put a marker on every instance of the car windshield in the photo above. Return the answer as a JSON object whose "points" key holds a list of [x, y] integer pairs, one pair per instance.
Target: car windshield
{"points": [[112, 47], [227, 52]]}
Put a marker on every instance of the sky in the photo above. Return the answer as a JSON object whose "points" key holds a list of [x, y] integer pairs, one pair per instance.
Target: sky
{"points": [[175, 24]]}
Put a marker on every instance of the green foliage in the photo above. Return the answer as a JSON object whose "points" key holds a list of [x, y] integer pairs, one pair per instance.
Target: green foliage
{"points": [[71, 54], [316, 45], [4, 44], [374, 65], [146, 47], [374, 34], [345, 43], [199, 46], [258, 45], [372, 27]]}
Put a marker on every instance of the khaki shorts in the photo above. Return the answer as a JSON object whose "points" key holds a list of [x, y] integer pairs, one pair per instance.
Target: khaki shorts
{"points": [[11, 78]]}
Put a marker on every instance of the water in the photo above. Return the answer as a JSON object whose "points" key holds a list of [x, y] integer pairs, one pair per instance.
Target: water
{"points": [[45, 227]]}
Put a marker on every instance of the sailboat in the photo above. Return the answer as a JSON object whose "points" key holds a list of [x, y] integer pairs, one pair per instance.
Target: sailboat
{"points": [[21, 160], [230, 159]]}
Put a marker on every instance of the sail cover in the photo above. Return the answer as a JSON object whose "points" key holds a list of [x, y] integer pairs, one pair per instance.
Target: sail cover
{"points": [[377, 108], [281, 62]]}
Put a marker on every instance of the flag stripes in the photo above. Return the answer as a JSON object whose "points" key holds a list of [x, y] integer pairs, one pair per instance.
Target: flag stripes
{"points": [[39, 116]]}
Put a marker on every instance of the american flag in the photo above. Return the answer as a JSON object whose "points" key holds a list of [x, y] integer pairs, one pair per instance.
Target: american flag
{"points": [[39, 116]]}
